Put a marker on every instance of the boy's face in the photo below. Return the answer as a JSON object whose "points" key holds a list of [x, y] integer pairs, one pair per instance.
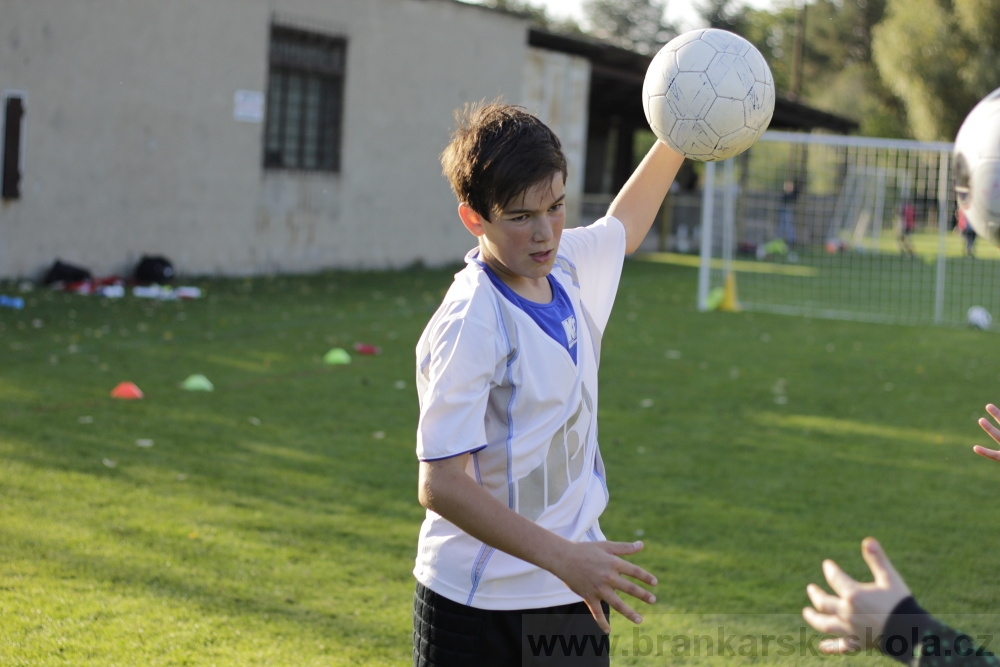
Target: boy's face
{"points": [[520, 242]]}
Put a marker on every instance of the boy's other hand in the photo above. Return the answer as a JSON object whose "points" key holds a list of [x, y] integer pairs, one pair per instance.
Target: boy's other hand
{"points": [[595, 572]]}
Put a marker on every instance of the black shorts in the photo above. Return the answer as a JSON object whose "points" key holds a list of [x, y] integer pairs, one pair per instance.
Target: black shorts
{"points": [[449, 634]]}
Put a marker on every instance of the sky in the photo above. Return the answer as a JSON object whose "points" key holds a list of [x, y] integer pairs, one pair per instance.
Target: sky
{"points": [[683, 12]]}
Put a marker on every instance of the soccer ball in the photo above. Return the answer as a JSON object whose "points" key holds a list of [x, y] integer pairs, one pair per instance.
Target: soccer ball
{"points": [[977, 167], [708, 94], [979, 317]]}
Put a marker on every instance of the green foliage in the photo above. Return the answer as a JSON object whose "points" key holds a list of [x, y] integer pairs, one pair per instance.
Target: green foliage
{"points": [[638, 25], [940, 58], [273, 521]]}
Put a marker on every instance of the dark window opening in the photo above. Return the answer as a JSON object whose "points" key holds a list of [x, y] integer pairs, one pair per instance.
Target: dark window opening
{"points": [[13, 136], [305, 92]]}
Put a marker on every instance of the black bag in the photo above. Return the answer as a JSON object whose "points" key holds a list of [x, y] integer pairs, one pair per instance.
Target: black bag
{"points": [[60, 272], [154, 269]]}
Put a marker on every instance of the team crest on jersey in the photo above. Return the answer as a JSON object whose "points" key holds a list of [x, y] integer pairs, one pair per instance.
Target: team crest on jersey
{"points": [[569, 326]]}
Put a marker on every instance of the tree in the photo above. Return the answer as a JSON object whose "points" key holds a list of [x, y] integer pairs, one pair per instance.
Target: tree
{"points": [[637, 25], [723, 15], [940, 57], [536, 13]]}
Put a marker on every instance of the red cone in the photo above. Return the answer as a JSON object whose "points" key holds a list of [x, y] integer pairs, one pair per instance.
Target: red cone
{"points": [[127, 391]]}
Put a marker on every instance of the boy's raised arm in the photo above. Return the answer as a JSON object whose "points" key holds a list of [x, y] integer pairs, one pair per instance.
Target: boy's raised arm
{"points": [[640, 198]]}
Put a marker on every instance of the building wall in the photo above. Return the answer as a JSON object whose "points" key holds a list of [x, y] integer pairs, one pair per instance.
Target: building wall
{"points": [[556, 89], [132, 147]]}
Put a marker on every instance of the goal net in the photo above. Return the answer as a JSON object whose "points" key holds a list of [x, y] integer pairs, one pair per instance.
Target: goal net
{"points": [[841, 227]]}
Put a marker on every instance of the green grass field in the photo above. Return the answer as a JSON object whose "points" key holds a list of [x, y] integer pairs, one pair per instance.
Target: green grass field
{"points": [[877, 285], [273, 521]]}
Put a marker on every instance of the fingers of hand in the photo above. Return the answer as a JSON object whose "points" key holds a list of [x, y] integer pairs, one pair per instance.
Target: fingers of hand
{"points": [[988, 453], [878, 562], [839, 645], [621, 548], [631, 570], [993, 410], [619, 605], [825, 623], [597, 611], [823, 601], [992, 430], [841, 583]]}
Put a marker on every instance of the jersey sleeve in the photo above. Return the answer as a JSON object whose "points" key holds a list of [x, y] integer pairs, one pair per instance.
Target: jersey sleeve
{"points": [[454, 379], [598, 253], [914, 637]]}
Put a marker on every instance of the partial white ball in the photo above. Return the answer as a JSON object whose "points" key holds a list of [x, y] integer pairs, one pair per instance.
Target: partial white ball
{"points": [[979, 317], [708, 94], [977, 167]]}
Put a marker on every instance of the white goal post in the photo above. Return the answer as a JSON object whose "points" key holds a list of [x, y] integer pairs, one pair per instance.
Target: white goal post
{"points": [[841, 227]]}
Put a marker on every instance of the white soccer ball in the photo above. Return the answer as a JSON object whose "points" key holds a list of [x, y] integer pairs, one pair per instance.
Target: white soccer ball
{"points": [[708, 94], [979, 317], [977, 167]]}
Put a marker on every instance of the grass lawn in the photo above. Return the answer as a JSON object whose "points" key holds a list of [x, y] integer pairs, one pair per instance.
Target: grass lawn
{"points": [[273, 521]]}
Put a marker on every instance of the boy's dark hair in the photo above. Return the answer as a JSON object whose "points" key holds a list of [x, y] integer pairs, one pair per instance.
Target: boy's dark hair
{"points": [[498, 151]]}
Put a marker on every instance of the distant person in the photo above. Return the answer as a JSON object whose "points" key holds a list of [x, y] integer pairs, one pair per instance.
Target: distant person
{"points": [[968, 233], [786, 213], [886, 609], [509, 466], [907, 225]]}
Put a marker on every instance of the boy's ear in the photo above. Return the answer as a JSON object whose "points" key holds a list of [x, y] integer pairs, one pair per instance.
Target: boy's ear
{"points": [[472, 220]]}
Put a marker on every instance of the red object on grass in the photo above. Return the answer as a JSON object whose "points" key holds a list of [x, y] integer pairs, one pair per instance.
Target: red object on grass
{"points": [[127, 391], [363, 348]]}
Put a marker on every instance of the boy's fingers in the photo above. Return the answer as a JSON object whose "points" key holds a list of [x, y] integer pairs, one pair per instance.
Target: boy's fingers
{"points": [[619, 605], [597, 611], [637, 592], [632, 570], [623, 548]]}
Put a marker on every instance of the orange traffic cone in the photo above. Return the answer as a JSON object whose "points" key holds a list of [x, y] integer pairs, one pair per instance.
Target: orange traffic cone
{"points": [[127, 391]]}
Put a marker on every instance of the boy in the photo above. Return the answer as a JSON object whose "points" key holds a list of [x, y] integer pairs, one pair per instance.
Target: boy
{"points": [[510, 471]]}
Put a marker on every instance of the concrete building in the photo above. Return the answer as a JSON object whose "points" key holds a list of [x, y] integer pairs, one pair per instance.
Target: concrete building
{"points": [[252, 136]]}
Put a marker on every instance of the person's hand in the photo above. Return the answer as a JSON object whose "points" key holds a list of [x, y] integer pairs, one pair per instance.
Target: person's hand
{"points": [[595, 572], [856, 607], [993, 431]]}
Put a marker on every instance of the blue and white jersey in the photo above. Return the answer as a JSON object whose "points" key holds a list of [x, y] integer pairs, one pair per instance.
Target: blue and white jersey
{"points": [[515, 385]]}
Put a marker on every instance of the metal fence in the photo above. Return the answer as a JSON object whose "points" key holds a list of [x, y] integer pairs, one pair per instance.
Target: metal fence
{"points": [[839, 227]]}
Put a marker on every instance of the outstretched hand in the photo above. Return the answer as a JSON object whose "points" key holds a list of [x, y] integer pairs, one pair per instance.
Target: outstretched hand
{"points": [[993, 431], [856, 608], [595, 572]]}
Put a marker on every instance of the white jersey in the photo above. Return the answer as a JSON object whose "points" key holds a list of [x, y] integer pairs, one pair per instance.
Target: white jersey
{"points": [[493, 383]]}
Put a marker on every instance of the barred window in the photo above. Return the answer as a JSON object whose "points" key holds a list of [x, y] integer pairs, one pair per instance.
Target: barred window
{"points": [[305, 91]]}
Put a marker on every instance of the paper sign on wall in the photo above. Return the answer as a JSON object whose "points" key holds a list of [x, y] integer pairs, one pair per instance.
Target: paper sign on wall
{"points": [[248, 106]]}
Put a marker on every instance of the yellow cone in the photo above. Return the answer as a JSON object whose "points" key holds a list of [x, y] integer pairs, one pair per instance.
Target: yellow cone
{"points": [[729, 301]]}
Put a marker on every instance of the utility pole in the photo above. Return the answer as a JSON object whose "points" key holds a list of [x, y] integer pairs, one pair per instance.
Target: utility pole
{"points": [[798, 51]]}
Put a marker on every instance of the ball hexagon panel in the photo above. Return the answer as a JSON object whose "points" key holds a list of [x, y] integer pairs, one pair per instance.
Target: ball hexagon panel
{"points": [[693, 138], [736, 142], [690, 95], [725, 116], [662, 120], [692, 56], [730, 76], [723, 41]]}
